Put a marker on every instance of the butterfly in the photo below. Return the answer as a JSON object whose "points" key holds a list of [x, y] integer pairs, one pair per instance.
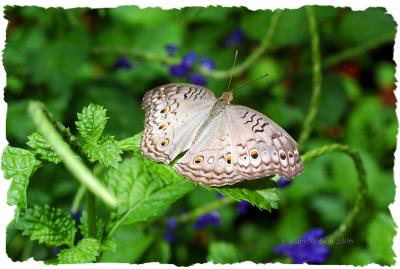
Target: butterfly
{"points": [[222, 144]]}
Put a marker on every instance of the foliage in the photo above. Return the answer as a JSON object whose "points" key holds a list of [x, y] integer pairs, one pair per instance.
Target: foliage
{"points": [[51, 226], [330, 85], [18, 164], [85, 251]]}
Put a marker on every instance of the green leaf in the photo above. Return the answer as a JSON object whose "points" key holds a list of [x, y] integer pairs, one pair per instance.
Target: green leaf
{"points": [[85, 251], [380, 235], [144, 189], [376, 20], [51, 226], [91, 122], [222, 252], [18, 164], [160, 252], [257, 192], [125, 251], [107, 151], [84, 226], [42, 148], [18, 161]]}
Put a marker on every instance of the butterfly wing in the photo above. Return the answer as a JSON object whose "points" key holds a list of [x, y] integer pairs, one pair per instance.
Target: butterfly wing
{"points": [[260, 147], [209, 160], [173, 115]]}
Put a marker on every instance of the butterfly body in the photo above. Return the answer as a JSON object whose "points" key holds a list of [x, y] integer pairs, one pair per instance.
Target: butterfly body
{"points": [[224, 143]]}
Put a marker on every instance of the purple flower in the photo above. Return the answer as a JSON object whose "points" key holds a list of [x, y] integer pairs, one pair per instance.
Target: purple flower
{"points": [[178, 70], [207, 63], [308, 249], [123, 63], [171, 49], [189, 59], [171, 223], [197, 79], [75, 215], [211, 218], [242, 207], [283, 182], [235, 38], [169, 236]]}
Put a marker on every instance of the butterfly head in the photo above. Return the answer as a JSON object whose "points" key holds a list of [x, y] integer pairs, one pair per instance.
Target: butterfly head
{"points": [[227, 97]]}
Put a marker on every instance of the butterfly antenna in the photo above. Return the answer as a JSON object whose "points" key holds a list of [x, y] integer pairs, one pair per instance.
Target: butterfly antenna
{"points": [[233, 68], [251, 81]]}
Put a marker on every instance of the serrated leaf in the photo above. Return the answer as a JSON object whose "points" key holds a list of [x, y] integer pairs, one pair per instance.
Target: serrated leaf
{"points": [[144, 189], [18, 161], [107, 151], [380, 235], [85, 251], [84, 226], [51, 226], [18, 164], [91, 122], [16, 194], [222, 252], [42, 148]]}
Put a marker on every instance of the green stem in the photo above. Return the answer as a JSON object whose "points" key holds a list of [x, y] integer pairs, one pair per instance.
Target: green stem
{"points": [[71, 161], [362, 185], [316, 77], [218, 74], [254, 56], [357, 51], [78, 198], [91, 211]]}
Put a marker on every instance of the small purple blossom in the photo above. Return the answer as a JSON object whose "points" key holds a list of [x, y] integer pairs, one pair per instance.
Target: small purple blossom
{"points": [[308, 249], [207, 63], [197, 79], [211, 218], [171, 223], [171, 49], [235, 38], [242, 207], [283, 182], [169, 236], [189, 59], [123, 63], [75, 215], [178, 70]]}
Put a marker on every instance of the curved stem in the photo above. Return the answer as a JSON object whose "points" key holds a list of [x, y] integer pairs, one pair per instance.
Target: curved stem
{"points": [[218, 74], [316, 77], [254, 56], [78, 199], [71, 161], [362, 185]]}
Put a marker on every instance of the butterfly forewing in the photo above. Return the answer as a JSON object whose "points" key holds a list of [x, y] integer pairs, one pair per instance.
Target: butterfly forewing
{"points": [[173, 115], [209, 161]]}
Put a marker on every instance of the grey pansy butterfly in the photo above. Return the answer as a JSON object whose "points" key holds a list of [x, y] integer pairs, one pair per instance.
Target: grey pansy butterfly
{"points": [[224, 143]]}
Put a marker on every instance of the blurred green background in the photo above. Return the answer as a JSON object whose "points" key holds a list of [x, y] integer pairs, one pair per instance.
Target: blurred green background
{"points": [[70, 58]]}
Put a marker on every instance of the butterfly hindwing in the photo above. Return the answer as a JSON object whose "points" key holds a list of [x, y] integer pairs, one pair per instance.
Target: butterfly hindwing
{"points": [[260, 147]]}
